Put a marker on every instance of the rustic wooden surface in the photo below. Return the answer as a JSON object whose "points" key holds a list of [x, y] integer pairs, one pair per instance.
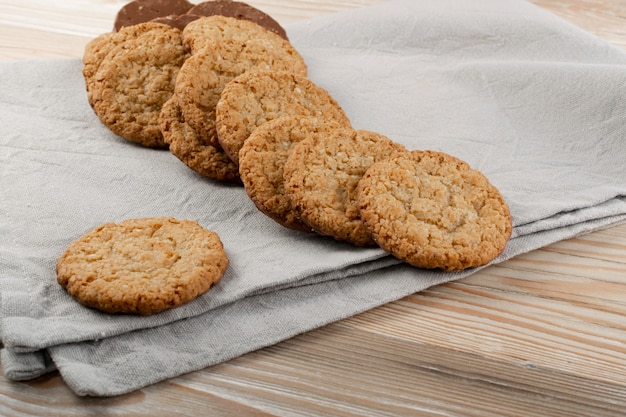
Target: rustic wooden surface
{"points": [[543, 334]]}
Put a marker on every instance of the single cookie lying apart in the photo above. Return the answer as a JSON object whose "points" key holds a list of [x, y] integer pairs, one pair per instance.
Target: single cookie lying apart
{"points": [[142, 266], [432, 210]]}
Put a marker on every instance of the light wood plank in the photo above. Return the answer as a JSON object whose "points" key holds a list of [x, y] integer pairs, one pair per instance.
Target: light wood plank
{"points": [[542, 334]]}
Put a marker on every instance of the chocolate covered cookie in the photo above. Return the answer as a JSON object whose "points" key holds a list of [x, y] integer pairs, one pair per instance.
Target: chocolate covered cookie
{"points": [[139, 11]]}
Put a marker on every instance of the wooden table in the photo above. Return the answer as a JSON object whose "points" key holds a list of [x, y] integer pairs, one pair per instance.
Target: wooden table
{"points": [[543, 334]]}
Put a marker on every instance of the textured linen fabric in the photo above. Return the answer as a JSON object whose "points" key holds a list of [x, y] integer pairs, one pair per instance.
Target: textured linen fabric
{"points": [[534, 103]]}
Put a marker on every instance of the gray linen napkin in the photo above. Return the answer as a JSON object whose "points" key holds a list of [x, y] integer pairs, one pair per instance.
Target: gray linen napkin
{"points": [[534, 103]]}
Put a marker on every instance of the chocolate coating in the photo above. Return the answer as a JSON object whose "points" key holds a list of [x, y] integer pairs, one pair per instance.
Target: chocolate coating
{"points": [[140, 11], [177, 21]]}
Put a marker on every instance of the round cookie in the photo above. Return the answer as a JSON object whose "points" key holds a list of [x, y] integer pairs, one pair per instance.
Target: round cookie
{"points": [[142, 266], [209, 30], [256, 97], [139, 11], [184, 143], [432, 210], [134, 81], [205, 74], [239, 10], [262, 159], [98, 48], [321, 176]]}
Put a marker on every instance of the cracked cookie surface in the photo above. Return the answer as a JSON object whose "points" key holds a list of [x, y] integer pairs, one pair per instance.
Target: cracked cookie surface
{"points": [[262, 159], [321, 176], [142, 266], [206, 159], [434, 211], [134, 81], [256, 97], [243, 46]]}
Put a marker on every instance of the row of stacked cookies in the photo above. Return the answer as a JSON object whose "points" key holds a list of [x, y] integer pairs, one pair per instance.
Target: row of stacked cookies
{"points": [[427, 208], [235, 104]]}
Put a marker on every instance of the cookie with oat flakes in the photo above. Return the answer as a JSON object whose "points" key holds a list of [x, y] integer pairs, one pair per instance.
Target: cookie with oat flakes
{"points": [[134, 81], [434, 211], [262, 159], [98, 48], [205, 74], [184, 142], [321, 176], [256, 97], [142, 266]]}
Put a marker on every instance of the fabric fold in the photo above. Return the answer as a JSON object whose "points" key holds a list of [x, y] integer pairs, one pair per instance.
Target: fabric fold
{"points": [[533, 102]]}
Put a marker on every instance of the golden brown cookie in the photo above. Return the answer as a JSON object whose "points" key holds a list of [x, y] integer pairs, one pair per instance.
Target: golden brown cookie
{"points": [[97, 49], [238, 10], [134, 81], [262, 159], [321, 175], [256, 97], [208, 30], [142, 266], [206, 159], [204, 75], [432, 210]]}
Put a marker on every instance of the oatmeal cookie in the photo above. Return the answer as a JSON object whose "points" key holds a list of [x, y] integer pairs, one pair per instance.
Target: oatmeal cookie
{"points": [[134, 81], [262, 159], [432, 210], [239, 10], [206, 159], [256, 97], [209, 30], [98, 48], [321, 176], [142, 266], [205, 74]]}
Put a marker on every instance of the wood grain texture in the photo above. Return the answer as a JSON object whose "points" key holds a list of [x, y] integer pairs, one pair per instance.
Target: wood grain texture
{"points": [[543, 334]]}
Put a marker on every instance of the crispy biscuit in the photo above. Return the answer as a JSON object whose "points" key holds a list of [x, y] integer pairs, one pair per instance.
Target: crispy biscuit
{"points": [[142, 266], [209, 30], [98, 48], [321, 176], [134, 81], [256, 97], [238, 10], [432, 210], [205, 74], [139, 11], [206, 159], [178, 21], [262, 159]]}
